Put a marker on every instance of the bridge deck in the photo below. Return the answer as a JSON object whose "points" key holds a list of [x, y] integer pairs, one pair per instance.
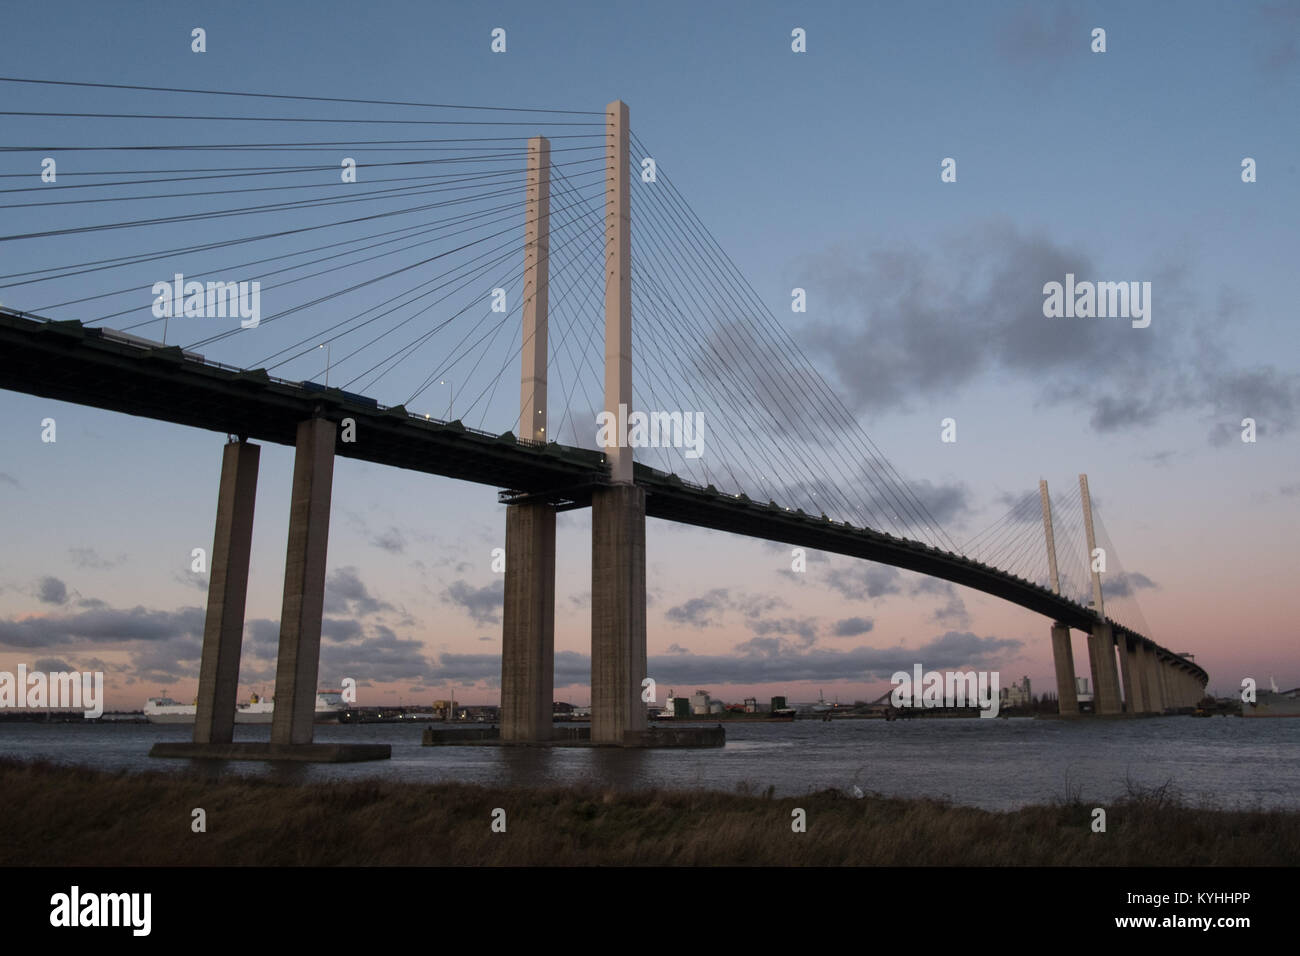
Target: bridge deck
{"points": [[69, 362]]}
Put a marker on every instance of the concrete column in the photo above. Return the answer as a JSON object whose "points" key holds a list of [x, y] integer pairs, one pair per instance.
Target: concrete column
{"points": [[618, 654], [1097, 603], [528, 620], [1105, 679], [1051, 541], [1066, 689], [1134, 702], [618, 282], [537, 253], [528, 623], [1141, 674], [1154, 685], [223, 628], [304, 584]]}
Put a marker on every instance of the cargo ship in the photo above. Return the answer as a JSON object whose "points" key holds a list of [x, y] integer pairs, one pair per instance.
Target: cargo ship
{"points": [[1274, 703], [257, 710]]}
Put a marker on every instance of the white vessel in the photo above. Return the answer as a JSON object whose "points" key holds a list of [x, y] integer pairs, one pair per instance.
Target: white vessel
{"points": [[258, 710]]}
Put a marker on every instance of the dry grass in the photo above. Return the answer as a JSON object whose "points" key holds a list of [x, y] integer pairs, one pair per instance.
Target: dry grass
{"points": [[73, 816]]}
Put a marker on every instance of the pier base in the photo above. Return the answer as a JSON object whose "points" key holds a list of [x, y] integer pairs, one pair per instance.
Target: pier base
{"points": [[1105, 678], [618, 657], [298, 663], [1067, 693], [223, 628], [528, 623]]}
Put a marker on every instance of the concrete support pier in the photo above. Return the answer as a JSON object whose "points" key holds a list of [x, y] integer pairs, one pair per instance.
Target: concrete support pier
{"points": [[223, 628], [1151, 671], [1063, 655], [1105, 679], [304, 584], [1134, 702], [618, 632], [528, 624]]}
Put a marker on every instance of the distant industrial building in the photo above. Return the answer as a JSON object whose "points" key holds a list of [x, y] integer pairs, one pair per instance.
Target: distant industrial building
{"points": [[700, 703], [1017, 695]]}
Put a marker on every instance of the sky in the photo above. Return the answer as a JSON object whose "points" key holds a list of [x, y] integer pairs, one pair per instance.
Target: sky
{"points": [[818, 170]]}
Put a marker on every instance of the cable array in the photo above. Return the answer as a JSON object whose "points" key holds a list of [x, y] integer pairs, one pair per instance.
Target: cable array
{"points": [[402, 259], [774, 428]]}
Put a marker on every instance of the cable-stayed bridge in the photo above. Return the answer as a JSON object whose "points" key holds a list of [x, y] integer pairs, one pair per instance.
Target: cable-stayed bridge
{"points": [[280, 294]]}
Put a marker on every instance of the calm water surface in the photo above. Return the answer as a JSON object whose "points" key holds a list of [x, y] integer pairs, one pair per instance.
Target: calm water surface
{"points": [[996, 764]]}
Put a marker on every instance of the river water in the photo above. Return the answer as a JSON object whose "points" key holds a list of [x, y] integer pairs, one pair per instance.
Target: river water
{"points": [[995, 764]]}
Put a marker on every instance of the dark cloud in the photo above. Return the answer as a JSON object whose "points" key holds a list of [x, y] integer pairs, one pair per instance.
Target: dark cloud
{"points": [[167, 661], [390, 540], [1125, 583], [101, 626], [50, 590], [51, 664], [700, 611], [482, 604], [943, 504], [805, 628], [340, 628], [906, 325], [345, 593], [862, 580], [381, 658], [758, 660], [1265, 394], [753, 605], [852, 626], [8, 479]]}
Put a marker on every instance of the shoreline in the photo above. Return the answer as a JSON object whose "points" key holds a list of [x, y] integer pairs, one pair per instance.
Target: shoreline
{"points": [[145, 818]]}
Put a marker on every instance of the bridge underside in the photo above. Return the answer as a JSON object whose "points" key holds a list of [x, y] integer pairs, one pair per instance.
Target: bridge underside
{"points": [[68, 362]]}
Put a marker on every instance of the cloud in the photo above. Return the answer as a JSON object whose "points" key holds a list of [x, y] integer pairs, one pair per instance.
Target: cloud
{"points": [[483, 605], [191, 580], [905, 324], [346, 594], [805, 628], [167, 661], [862, 580], [51, 664], [1125, 583], [699, 611], [852, 626], [953, 610], [90, 558], [390, 540], [50, 590], [759, 660], [382, 657], [101, 626], [340, 628], [8, 479]]}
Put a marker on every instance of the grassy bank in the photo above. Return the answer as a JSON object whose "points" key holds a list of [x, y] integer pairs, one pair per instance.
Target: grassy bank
{"points": [[73, 816]]}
